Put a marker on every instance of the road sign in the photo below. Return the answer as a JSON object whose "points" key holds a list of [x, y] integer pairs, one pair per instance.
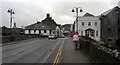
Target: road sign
{"points": [[53, 32]]}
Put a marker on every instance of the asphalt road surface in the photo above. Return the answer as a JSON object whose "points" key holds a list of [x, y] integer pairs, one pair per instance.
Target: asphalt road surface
{"points": [[54, 51]]}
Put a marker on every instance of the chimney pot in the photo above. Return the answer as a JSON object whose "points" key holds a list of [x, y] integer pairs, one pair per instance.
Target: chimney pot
{"points": [[48, 15]]}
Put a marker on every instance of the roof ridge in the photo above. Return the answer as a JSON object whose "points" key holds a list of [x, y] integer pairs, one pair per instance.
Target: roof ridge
{"points": [[108, 11], [88, 14]]}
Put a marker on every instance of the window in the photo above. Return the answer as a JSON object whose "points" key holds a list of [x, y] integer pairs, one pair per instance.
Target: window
{"points": [[44, 31], [95, 23], [109, 30], [86, 33], [82, 23], [109, 40], [81, 33], [109, 22], [117, 11], [96, 33], [92, 33], [89, 23]]}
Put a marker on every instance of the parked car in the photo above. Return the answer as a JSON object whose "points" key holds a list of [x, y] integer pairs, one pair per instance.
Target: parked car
{"points": [[62, 36], [52, 37]]}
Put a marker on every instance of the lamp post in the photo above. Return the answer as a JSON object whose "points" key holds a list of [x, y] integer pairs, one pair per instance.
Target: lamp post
{"points": [[11, 12], [77, 8]]}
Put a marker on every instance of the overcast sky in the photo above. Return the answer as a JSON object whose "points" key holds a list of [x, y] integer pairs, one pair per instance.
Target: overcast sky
{"points": [[29, 11]]}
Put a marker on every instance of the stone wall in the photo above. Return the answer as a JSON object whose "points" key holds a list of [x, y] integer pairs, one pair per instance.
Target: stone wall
{"points": [[6, 39], [98, 53]]}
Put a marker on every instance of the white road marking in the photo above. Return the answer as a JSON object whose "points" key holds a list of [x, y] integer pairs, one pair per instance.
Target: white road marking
{"points": [[17, 52]]}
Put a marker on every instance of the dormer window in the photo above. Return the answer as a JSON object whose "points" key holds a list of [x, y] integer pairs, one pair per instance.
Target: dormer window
{"points": [[103, 15], [109, 22], [117, 11]]}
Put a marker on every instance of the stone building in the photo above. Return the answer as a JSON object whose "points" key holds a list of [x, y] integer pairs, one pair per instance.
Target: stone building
{"points": [[110, 25]]}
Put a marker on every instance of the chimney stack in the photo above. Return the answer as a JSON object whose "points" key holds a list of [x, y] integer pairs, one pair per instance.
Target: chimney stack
{"points": [[48, 15]]}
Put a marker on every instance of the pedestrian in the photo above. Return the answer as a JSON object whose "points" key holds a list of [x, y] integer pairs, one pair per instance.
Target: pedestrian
{"points": [[75, 40]]}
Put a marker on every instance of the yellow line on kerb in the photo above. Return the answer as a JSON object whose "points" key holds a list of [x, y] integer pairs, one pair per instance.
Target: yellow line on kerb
{"points": [[58, 54]]}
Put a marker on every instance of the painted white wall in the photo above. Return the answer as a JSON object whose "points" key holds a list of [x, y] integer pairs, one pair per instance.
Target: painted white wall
{"points": [[48, 32], [71, 28], [91, 19], [31, 31], [37, 32], [42, 32], [26, 31]]}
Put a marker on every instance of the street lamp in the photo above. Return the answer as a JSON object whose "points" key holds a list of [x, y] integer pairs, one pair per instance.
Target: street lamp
{"points": [[11, 12], [77, 16]]}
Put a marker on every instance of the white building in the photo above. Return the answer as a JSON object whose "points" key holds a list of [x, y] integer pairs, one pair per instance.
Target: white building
{"points": [[89, 25], [44, 28], [39, 29]]}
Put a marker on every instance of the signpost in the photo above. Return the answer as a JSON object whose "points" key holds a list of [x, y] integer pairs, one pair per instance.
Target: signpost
{"points": [[53, 32]]}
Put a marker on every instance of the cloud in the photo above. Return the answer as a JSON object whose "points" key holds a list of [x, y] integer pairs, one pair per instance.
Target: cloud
{"points": [[28, 11], [60, 1], [119, 3]]}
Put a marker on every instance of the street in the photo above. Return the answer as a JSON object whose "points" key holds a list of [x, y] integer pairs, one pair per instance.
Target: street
{"points": [[37, 50]]}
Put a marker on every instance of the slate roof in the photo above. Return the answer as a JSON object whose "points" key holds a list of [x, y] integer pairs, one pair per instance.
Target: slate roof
{"points": [[49, 22], [46, 24], [39, 26], [107, 12], [88, 14], [67, 27]]}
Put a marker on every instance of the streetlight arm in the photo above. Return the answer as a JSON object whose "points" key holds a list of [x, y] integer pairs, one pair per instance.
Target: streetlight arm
{"points": [[8, 11]]}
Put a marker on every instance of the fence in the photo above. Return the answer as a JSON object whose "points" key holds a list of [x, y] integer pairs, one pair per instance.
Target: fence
{"points": [[98, 53]]}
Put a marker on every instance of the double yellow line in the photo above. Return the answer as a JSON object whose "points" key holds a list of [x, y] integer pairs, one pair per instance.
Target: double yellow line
{"points": [[58, 54]]}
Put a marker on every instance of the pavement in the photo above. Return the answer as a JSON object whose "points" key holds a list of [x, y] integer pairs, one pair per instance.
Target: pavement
{"points": [[45, 50]]}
